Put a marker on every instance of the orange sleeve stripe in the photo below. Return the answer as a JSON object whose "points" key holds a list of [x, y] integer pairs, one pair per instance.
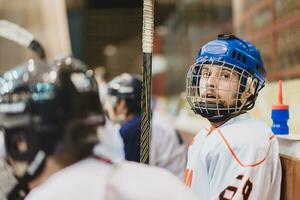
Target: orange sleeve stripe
{"points": [[193, 141], [237, 159], [209, 130], [188, 177], [272, 137]]}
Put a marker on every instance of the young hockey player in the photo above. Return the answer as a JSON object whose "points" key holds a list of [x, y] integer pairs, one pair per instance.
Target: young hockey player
{"points": [[166, 147]]}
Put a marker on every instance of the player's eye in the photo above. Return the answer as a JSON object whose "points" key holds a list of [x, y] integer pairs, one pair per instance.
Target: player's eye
{"points": [[225, 75], [204, 72]]}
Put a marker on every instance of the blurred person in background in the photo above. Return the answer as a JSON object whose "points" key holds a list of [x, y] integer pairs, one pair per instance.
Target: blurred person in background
{"points": [[100, 75], [186, 122], [51, 121], [7, 179], [236, 157], [112, 143], [168, 149], [123, 106]]}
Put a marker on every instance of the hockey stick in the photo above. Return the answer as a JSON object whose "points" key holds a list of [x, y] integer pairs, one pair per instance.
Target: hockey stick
{"points": [[148, 28], [21, 36]]}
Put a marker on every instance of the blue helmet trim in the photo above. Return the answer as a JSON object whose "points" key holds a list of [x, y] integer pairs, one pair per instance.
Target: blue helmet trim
{"points": [[236, 52]]}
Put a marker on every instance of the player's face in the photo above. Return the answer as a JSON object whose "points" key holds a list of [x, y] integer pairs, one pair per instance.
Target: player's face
{"points": [[19, 167], [218, 85], [115, 110]]}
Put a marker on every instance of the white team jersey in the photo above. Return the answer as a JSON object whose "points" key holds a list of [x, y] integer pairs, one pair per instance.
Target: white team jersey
{"points": [[111, 145], [83, 180], [134, 181], [238, 160], [166, 150], [94, 179]]}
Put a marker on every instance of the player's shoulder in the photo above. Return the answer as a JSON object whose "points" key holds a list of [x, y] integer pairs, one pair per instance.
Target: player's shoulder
{"points": [[245, 139], [244, 125], [152, 183], [137, 172], [161, 121], [246, 132], [84, 166], [203, 133], [199, 137], [63, 184]]}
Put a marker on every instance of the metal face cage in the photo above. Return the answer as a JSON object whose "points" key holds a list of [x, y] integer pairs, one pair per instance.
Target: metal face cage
{"points": [[216, 89]]}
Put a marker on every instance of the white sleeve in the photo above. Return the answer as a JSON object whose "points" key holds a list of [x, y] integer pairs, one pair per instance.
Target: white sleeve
{"points": [[134, 181], [166, 151], [111, 145]]}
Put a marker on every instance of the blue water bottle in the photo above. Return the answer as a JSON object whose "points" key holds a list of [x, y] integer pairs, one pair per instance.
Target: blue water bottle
{"points": [[280, 115]]}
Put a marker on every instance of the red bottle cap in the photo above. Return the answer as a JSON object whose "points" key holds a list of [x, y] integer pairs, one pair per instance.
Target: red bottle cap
{"points": [[280, 105]]}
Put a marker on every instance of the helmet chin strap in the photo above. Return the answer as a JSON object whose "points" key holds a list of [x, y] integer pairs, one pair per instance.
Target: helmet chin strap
{"points": [[213, 112], [213, 117], [35, 168], [219, 118]]}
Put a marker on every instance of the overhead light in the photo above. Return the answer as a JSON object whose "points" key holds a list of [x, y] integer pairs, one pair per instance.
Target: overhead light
{"points": [[162, 30], [110, 50]]}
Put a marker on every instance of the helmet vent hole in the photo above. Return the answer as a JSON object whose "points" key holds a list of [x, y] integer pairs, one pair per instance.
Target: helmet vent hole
{"points": [[238, 56], [244, 59], [233, 54]]}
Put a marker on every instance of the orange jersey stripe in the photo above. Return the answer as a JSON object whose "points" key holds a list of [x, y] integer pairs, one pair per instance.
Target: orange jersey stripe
{"points": [[236, 158], [193, 141], [209, 130], [188, 177]]}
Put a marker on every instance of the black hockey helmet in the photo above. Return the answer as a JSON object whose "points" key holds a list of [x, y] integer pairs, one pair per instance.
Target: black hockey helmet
{"points": [[126, 86], [43, 105], [129, 87]]}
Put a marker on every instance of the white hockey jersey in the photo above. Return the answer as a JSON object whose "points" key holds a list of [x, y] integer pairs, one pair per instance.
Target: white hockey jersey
{"points": [[238, 160], [99, 179], [93, 179], [166, 149]]}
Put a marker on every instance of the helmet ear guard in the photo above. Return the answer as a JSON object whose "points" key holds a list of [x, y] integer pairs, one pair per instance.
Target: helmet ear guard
{"points": [[249, 93], [250, 87], [254, 90], [253, 87]]}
